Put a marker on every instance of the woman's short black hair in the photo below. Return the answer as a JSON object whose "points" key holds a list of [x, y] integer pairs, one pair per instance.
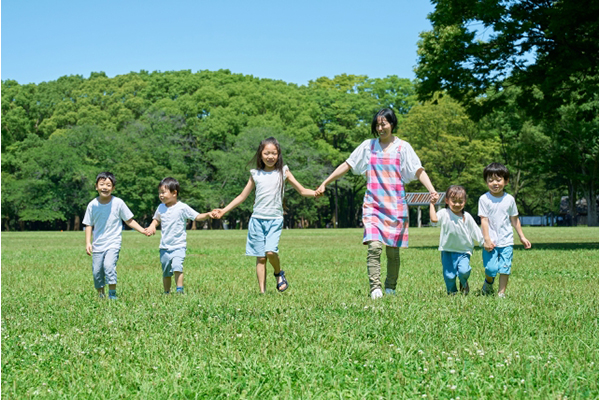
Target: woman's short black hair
{"points": [[170, 183], [390, 117], [496, 169]]}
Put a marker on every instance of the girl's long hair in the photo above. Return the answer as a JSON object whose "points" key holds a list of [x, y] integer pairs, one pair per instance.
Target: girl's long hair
{"points": [[278, 165]]}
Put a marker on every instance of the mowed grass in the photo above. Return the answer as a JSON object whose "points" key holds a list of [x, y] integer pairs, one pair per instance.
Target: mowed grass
{"points": [[323, 338]]}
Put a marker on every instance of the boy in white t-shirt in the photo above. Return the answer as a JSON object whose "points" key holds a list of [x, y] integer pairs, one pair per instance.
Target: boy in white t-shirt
{"points": [[173, 215], [104, 215], [498, 211], [458, 232]]}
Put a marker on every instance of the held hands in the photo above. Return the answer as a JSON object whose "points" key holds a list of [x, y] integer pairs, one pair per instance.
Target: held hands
{"points": [[434, 197], [217, 213], [320, 191], [149, 231], [488, 245]]}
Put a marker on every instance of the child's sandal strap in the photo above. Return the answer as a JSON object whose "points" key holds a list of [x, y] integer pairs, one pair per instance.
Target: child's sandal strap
{"points": [[284, 281]]}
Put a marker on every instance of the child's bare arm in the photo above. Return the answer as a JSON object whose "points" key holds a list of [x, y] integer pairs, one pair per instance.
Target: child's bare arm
{"points": [[219, 212], [299, 188], [335, 175], [424, 179], [485, 229], [88, 240], [517, 225], [432, 213], [202, 216], [134, 225]]}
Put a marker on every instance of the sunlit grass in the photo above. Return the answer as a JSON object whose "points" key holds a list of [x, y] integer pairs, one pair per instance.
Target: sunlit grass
{"points": [[323, 338]]}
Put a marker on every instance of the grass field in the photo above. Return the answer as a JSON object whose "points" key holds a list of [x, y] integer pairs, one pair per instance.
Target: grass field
{"points": [[323, 338]]}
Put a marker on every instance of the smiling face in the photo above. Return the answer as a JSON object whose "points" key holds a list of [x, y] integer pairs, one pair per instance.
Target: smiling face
{"points": [[167, 197], [456, 204], [105, 188], [384, 128], [269, 156], [496, 185]]}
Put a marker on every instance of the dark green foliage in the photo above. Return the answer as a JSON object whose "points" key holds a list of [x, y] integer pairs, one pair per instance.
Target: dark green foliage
{"points": [[530, 68], [203, 128]]}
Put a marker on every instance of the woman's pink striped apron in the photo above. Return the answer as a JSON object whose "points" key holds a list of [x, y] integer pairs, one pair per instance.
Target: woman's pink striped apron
{"points": [[385, 212]]}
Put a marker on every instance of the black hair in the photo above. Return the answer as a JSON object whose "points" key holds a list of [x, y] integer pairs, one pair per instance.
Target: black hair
{"points": [[170, 183], [278, 165], [455, 191], [390, 117], [106, 175], [496, 169], [258, 156]]}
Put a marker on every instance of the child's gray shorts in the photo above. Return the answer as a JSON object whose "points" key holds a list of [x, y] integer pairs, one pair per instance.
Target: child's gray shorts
{"points": [[104, 267], [172, 261]]}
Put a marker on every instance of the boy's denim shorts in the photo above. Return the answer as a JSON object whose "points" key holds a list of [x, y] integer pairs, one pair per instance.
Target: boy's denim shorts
{"points": [[497, 261], [263, 236], [104, 267], [172, 261]]}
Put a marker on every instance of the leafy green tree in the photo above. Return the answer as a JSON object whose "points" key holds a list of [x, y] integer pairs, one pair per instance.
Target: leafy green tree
{"points": [[51, 183], [547, 49], [536, 58]]}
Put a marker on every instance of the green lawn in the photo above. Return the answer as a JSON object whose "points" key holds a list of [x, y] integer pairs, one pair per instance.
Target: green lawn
{"points": [[323, 338]]}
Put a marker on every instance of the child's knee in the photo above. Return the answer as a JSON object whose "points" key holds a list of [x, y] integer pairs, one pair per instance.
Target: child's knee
{"points": [[449, 274], [374, 248], [464, 273]]}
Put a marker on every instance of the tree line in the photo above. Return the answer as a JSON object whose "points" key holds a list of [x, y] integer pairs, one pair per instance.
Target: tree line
{"points": [[203, 128]]}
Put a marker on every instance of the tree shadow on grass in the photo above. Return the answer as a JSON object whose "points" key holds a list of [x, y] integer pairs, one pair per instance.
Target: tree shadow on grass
{"points": [[536, 246], [562, 246]]}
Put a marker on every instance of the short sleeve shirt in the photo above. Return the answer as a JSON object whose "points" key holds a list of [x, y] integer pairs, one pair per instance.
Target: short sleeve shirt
{"points": [[107, 221], [173, 221], [409, 160], [458, 234], [268, 203], [498, 211]]}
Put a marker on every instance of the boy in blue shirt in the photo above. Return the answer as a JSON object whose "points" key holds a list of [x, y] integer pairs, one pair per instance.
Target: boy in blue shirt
{"points": [[173, 215], [498, 211], [103, 216]]}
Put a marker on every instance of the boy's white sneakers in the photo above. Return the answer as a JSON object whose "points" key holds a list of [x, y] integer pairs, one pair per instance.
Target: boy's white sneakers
{"points": [[376, 294]]}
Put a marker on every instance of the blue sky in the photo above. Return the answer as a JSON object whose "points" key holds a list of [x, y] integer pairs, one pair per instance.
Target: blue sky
{"points": [[291, 41]]}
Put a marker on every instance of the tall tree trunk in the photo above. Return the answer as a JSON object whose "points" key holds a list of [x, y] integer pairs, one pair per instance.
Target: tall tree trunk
{"points": [[77, 223], [572, 205], [592, 207], [515, 181]]}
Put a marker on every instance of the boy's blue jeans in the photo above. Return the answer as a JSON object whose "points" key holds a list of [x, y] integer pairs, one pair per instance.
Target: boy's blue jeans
{"points": [[497, 261], [104, 267], [455, 264]]}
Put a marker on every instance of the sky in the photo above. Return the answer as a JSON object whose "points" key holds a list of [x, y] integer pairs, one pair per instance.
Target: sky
{"points": [[293, 41]]}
